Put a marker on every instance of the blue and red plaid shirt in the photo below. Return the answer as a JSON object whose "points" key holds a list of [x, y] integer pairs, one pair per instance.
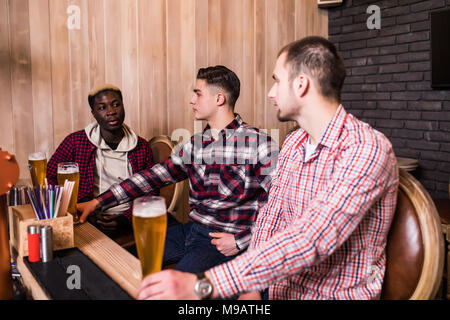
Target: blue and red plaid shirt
{"points": [[229, 178], [76, 147], [322, 234]]}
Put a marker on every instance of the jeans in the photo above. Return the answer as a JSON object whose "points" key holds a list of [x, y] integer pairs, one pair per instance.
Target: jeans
{"points": [[189, 246]]}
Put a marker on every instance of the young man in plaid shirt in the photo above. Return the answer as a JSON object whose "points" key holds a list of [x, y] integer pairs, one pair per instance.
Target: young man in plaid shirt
{"points": [[107, 151], [229, 167], [322, 234]]}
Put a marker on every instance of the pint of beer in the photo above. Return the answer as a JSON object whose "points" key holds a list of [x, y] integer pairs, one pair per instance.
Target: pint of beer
{"points": [[149, 225], [69, 171], [37, 163]]}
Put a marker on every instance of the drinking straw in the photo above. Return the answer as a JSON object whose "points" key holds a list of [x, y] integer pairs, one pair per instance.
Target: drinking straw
{"points": [[63, 200], [67, 192], [55, 200], [38, 202], [51, 203], [58, 200], [28, 193], [47, 201], [43, 205], [44, 201]]}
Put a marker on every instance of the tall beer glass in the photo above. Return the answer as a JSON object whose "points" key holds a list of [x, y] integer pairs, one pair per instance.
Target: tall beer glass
{"points": [[69, 171], [149, 225], [37, 163]]}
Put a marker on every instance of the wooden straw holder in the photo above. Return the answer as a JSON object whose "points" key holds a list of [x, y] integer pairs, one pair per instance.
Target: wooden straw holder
{"points": [[20, 217]]}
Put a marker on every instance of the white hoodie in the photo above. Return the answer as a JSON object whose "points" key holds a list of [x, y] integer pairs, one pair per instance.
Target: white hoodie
{"points": [[111, 166]]}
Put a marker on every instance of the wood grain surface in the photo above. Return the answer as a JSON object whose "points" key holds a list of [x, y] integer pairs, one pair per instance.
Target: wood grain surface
{"points": [[151, 49], [119, 264]]}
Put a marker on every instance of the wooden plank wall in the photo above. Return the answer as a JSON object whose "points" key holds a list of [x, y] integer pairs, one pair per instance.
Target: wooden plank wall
{"points": [[152, 49]]}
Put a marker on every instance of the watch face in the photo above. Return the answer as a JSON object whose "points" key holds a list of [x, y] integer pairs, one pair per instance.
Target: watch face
{"points": [[203, 288]]}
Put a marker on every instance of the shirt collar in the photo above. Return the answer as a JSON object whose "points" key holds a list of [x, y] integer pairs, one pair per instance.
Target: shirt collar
{"points": [[228, 131], [332, 132], [334, 128]]}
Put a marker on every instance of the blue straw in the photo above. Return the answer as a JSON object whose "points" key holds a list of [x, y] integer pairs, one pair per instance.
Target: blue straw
{"points": [[38, 202], [47, 203], [30, 197]]}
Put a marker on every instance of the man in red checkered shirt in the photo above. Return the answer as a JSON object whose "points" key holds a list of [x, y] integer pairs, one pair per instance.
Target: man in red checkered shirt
{"points": [[107, 151], [322, 234]]}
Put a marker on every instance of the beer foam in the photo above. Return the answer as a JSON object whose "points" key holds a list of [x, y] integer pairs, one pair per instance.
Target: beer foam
{"points": [[149, 208], [37, 156], [67, 170]]}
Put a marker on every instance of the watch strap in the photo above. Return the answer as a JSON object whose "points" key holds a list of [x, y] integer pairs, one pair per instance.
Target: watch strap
{"points": [[200, 275], [201, 278]]}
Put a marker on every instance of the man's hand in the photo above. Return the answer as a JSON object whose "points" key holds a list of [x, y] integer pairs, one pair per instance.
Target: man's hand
{"points": [[86, 208], [168, 285], [225, 243]]}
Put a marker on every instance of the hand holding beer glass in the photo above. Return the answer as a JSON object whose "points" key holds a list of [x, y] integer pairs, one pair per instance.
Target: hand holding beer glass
{"points": [[149, 225], [70, 171], [37, 163]]}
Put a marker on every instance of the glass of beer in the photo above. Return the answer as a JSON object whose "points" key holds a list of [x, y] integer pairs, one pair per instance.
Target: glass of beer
{"points": [[69, 171], [149, 225], [37, 163]]}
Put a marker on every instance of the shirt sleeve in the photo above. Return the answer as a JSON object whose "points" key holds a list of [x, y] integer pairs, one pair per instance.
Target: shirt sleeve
{"points": [[64, 153], [268, 221], [243, 239], [266, 162], [150, 163], [364, 173], [170, 171], [264, 169]]}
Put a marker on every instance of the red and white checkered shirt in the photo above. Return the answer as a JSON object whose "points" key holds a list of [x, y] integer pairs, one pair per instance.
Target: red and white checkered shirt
{"points": [[322, 234]]}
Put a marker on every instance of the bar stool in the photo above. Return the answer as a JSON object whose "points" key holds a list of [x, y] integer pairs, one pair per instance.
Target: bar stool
{"points": [[443, 208], [415, 246]]}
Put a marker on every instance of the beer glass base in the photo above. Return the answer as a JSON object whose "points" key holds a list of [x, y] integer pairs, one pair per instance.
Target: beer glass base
{"points": [[76, 218]]}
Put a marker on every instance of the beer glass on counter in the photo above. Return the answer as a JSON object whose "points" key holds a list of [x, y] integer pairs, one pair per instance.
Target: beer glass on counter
{"points": [[149, 225], [70, 171], [37, 163]]}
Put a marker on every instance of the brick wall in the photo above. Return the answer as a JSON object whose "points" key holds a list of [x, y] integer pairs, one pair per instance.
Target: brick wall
{"points": [[388, 81]]}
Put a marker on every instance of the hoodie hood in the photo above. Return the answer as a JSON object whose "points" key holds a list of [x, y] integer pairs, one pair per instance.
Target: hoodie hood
{"points": [[111, 166], [128, 143]]}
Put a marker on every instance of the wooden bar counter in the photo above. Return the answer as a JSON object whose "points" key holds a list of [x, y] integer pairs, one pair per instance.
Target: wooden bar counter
{"points": [[116, 262]]}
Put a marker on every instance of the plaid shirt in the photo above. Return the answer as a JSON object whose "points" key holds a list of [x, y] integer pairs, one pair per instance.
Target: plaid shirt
{"points": [[323, 232], [76, 147], [229, 178]]}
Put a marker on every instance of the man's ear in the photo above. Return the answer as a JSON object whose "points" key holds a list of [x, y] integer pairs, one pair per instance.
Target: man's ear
{"points": [[301, 85], [221, 99]]}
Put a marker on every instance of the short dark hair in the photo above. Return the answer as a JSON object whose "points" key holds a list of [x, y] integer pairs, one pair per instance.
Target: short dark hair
{"points": [[101, 89], [319, 58], [223, 78]]}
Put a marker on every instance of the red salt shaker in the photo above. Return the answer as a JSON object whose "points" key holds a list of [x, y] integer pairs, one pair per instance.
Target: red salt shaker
{"points": [[33, 243]]}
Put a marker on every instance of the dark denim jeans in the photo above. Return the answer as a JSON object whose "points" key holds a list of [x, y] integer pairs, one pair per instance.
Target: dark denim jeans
{"points": [[189, 246]]}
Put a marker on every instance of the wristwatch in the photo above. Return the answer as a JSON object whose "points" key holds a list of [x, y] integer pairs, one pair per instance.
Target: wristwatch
{"points": [[203, 287]]}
